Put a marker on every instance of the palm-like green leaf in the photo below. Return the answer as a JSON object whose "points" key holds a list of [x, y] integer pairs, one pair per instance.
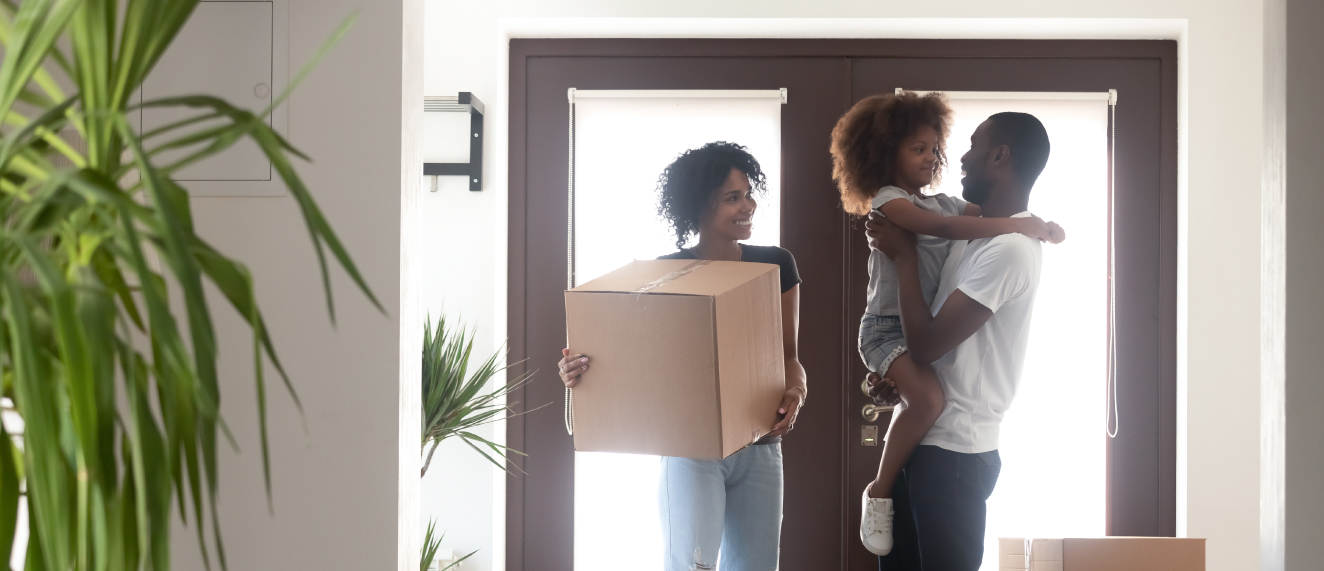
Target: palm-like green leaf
{"points": [[86, 308]]}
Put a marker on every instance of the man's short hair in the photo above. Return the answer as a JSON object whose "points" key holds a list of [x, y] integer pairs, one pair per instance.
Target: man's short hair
{"points": [[1027, 139]]}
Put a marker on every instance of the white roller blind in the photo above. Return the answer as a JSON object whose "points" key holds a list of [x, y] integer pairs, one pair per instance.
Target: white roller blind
{"points": [[623, 140], [620, 143]]}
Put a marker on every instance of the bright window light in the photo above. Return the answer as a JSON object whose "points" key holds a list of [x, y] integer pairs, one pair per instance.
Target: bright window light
{"points": [[1053, 437], [621, 147]]}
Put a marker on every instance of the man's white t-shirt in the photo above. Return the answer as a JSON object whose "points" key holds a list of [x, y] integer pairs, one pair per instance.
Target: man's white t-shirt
{"points": [[981, 374]]}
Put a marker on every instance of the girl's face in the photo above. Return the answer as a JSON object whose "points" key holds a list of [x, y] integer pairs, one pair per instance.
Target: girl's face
{"points": [[916, 159], [730, 215]]}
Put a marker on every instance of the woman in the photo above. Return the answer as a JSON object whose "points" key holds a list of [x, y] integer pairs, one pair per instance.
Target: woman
{"points": [[734, 504]]}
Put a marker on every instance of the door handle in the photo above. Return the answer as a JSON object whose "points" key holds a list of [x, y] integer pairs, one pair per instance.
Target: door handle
{"points": [[870, 412]]}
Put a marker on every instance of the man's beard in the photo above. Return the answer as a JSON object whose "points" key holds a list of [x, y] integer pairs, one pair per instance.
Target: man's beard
{"points": [[974, 189]]}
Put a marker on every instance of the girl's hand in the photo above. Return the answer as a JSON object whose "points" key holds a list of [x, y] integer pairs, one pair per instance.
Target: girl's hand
{"points": [[1056, 235], [882, 390], [789, 409], [571, 367], [1034, 227]]}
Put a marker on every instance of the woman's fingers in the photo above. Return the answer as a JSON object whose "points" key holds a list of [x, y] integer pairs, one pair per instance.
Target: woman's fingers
{"points": [[571, 367], [788, 410], [571, 377], [569, 361]]}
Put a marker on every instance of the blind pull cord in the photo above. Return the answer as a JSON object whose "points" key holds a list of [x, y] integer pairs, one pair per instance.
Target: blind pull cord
{"points": [[569, 413], [1113, 419]]}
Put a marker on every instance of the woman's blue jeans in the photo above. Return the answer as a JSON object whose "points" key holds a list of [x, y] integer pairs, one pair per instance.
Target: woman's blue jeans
{"points": [[733, 506]]}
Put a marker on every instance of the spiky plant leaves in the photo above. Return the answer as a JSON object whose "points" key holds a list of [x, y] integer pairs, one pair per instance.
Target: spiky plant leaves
{"points": [[431, 544], [86, 308], [453, 400]]}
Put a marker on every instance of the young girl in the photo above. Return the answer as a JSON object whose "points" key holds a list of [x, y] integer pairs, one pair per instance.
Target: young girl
{"points": [[733, 505], [885, 151]]}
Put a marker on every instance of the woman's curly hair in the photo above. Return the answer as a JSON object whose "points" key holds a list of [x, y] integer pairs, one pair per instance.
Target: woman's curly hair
{"points": [[865, 141], [686, 187]]}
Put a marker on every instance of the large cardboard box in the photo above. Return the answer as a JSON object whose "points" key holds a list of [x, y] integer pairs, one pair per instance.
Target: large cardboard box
{"points": [[685, 357], [1101, 554]]}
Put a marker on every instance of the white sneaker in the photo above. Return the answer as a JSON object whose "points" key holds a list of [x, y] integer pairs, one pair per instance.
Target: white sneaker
{"points": [[876, 524]]}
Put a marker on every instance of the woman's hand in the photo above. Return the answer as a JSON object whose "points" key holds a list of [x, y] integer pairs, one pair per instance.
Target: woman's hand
{"points": [[882, 391], [571, 367], [789, 409]]}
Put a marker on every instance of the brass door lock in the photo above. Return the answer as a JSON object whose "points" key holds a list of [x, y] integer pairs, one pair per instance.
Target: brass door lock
{"points": [[869, 435]]}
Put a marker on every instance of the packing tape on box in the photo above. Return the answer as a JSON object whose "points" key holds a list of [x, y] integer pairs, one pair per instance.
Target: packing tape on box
{"points": [[1034, 554], [1043, 554], [673, 276]]}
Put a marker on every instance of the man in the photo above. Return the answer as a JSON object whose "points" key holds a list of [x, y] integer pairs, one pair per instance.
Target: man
{"points": [[974, 336]]}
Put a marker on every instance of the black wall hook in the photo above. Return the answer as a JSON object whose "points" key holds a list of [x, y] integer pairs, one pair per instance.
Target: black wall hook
{"points": [[465, 102]]}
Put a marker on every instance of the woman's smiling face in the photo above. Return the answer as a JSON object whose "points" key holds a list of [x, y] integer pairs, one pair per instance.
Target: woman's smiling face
{"points": [[730, 215]]}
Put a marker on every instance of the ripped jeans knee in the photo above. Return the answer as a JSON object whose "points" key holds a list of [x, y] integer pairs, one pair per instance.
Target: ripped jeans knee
{"points": [[699, 563]]}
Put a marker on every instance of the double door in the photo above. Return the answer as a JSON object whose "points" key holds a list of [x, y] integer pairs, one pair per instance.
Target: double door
{"points": [[828, 459]]}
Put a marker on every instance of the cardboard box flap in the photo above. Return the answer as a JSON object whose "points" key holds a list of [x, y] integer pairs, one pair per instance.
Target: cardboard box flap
{"points": [[677, 277], [632, 276]]}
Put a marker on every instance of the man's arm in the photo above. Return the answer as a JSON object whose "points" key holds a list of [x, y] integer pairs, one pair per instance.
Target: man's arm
{"points": [[928, 337]]}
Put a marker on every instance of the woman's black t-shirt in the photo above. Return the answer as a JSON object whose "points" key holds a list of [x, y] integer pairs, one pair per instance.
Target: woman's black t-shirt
{"points": [[758, 254]]}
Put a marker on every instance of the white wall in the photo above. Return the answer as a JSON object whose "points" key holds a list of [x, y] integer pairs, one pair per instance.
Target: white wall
{"points": [[1221, 102], [457, 275], [339, 481]]}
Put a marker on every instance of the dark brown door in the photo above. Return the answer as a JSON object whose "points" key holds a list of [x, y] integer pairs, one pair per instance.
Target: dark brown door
{"points": [[826, 464]]}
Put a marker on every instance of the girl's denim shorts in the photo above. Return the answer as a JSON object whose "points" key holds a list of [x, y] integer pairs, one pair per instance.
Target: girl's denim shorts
{"points": [[881, 341]]}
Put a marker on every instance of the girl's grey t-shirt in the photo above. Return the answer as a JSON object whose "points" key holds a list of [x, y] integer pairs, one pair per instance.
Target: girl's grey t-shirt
{"points": [[884, 288]]}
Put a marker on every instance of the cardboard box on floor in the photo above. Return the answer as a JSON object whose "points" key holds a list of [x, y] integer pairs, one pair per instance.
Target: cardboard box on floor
{"points": [[1101, 554], [685, 357]]}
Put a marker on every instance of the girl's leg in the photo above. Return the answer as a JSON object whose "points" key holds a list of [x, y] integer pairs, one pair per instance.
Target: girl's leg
{"points": [[752, 538], [919, 390], [691, 497]]}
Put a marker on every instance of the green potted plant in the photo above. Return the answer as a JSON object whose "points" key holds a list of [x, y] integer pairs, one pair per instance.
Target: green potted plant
{"points": [[117, 391], [454, 403]]}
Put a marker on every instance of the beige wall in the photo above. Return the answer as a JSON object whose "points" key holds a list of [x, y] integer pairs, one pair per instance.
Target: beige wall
{"points": [[1221, 67], [339, 483]]}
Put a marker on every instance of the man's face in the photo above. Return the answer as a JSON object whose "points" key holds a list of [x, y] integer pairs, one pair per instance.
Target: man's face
{"points": [[975, 183]]}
